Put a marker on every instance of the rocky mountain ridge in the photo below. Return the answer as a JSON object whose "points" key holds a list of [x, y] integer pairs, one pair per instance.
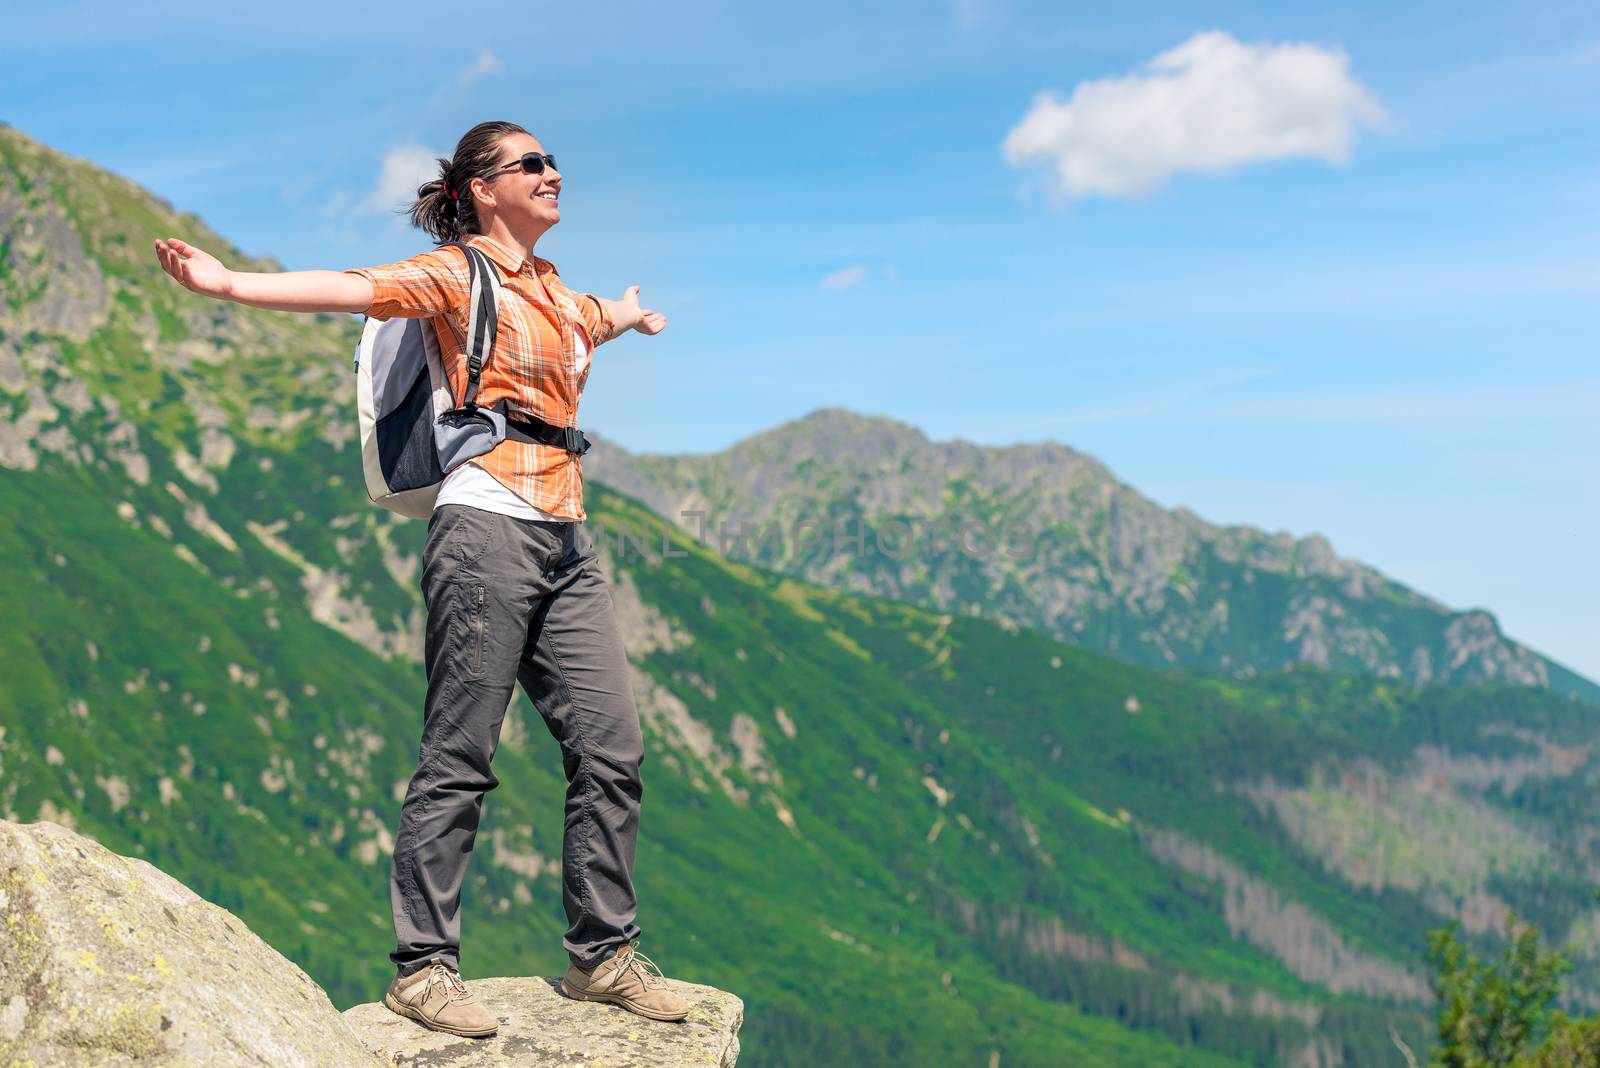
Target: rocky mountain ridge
{"points": [[1054, 540]]}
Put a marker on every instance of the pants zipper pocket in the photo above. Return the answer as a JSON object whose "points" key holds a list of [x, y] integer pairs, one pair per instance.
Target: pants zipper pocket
{"points": [[477, 655]]}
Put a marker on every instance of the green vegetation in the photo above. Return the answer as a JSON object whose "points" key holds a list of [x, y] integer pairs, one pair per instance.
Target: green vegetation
{"points": [[1495, 1016]]}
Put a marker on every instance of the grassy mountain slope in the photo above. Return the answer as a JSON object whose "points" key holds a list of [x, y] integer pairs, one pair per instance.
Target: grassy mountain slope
{"points": [[151, 706]]}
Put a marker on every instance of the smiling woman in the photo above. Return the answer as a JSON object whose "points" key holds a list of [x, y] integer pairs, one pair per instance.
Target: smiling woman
{"points": [[444, 215], [511, 592]]}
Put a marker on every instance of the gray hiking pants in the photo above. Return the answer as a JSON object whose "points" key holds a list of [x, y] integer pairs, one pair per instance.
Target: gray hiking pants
{"points": [[518, 600]]}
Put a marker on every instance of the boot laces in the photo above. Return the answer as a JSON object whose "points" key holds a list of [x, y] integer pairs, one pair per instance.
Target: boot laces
{"points": [[455, 989], [643, 967]]}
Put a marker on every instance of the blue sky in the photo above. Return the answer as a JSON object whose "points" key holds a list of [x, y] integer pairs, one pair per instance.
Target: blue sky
{"points": [[1382, 329]]}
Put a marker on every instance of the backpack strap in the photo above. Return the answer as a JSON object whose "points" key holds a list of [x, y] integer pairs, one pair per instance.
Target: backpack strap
{"points": [[483, 316], [525, 426]]}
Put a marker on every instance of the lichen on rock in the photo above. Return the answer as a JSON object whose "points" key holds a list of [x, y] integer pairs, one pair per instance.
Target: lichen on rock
{"points": [[107, 960]]}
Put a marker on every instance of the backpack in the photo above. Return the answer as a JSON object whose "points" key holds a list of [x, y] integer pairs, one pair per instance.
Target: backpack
{"points": [[412, 432]]}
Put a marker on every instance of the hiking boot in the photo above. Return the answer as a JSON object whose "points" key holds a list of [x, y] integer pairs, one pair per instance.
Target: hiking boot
{"points": [[437, 997], [630, 979]]}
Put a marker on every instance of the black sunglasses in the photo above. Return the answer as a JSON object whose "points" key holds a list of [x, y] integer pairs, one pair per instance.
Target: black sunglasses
{"points": [[530, 163]]}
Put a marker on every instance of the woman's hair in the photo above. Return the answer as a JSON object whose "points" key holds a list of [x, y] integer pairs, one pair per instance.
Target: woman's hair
{"points": [[444, 208]]}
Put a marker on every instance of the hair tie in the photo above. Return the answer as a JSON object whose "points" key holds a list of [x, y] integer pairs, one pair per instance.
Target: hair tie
{"points": [[451, 193]]}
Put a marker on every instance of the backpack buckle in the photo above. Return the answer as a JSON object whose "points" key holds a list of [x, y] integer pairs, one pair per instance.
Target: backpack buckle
{"points": [[573, 440]]}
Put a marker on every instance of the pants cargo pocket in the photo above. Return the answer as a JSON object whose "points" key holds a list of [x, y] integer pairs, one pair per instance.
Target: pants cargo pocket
{"points": [[480, 623]]}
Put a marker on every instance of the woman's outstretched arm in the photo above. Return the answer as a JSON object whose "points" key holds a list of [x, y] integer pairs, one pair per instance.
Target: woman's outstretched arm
{"points": [[296, 291]]}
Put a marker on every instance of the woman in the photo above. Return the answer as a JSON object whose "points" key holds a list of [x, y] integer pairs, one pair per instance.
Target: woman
{"points": [[511, 594]]}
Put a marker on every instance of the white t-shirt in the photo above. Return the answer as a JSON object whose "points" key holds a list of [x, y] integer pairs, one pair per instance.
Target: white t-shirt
{"points": [[474, 487]]}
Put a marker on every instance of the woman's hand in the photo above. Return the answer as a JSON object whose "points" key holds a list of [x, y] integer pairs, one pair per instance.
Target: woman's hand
{"points": [[641, 319], [650, 322], [195, 269]]}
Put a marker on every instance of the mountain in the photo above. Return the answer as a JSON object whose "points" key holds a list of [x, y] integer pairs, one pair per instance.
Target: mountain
{"points": [[902, 835], [1043, 535]]}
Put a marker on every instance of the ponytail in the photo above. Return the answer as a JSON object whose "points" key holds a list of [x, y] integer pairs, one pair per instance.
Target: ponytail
{"points": [[434, 210], [444, 208]]}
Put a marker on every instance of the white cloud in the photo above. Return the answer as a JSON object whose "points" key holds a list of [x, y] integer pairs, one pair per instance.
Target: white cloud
{"points": [[485, 64], [404, 169], [844, 278], [1209, 105]]}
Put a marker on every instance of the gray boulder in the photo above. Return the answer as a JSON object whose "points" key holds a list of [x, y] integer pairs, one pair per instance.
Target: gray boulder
{"points": [[106, 960]]}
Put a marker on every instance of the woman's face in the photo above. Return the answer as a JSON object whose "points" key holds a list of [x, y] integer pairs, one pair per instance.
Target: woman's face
{"points": [[529, 203]]}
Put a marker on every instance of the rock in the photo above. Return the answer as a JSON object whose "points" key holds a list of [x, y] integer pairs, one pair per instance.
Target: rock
{"points": [[106, 960], [540, 1028]]}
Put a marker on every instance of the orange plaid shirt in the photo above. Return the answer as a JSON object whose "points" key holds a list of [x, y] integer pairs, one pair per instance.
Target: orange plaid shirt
{"points": [[533, 362]]}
